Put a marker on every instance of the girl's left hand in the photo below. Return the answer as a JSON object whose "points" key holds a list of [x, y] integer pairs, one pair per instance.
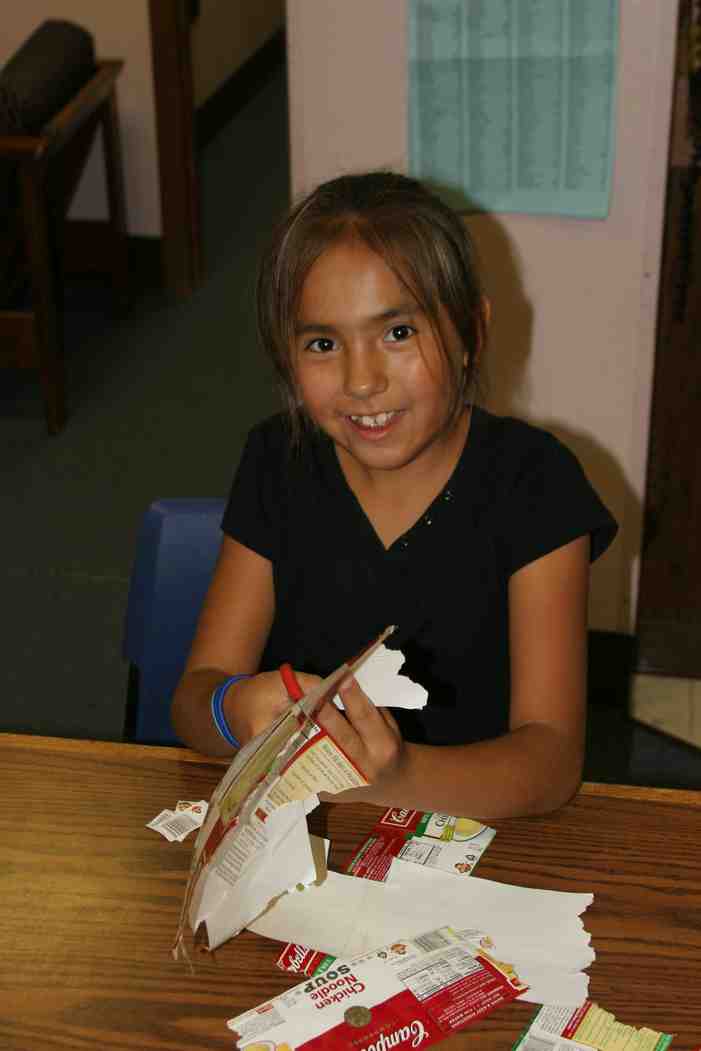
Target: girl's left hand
{"points": [[368, 735]]}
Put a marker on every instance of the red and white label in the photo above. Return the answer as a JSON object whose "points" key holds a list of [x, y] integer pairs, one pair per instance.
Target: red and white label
{"points": [[398, 818], [408, 994]]}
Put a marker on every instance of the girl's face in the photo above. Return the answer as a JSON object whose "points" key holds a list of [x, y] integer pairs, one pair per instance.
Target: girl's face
{"points": [[368, 366]]}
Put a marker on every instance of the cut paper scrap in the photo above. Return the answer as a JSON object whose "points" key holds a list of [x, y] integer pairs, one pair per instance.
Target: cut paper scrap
{"points": [[175, 825], [538, 931], [380, 679], [260, 878], [590, 1026], [246, 853]]}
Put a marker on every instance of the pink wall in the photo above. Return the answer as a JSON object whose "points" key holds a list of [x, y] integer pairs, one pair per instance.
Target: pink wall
{"points": [[574, 302]]}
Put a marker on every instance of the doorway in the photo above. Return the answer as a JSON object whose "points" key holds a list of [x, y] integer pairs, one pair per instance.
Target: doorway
{"points": [[669, 602], [209, 59]]}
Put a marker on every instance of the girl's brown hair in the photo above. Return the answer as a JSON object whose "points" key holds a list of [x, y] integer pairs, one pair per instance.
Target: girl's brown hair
{"points": [[423, 242]]}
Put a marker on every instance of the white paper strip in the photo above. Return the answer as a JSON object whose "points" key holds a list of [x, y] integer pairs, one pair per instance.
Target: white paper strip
{"points": [[540, 929]]}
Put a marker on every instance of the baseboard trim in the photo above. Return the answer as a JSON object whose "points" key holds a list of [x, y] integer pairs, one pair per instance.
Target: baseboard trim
{"points": [[87, 248], [239, 89], [670, 647]]}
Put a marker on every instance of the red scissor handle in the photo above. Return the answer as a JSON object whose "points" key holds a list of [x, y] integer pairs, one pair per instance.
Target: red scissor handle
{"points": [[294, 690]]}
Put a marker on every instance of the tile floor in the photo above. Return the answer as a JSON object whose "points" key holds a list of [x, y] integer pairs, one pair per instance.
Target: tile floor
{"points": [[670, 705]]}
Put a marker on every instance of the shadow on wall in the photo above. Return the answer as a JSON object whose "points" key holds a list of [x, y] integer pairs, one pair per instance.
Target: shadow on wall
{"points": [[501, 384], [505, 389], [503, 374], [608, 478]]}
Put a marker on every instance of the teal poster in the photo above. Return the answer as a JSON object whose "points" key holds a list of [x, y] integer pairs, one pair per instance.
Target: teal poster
{"points": [[512, 103]]}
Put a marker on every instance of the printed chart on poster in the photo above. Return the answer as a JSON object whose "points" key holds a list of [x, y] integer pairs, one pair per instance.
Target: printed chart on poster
{"points": [[512, 103]]}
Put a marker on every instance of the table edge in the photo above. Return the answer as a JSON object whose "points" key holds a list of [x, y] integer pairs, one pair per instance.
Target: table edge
{"points": [[109, 749], [161, 753]]}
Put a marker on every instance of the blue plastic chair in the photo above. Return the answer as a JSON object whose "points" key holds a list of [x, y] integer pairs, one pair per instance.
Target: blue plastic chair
{"points": [[176, 549]]}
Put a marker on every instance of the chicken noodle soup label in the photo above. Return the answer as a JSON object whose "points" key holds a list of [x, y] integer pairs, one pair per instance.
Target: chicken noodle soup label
{"points": [[441, 841], [409, 994], [433, 824]]}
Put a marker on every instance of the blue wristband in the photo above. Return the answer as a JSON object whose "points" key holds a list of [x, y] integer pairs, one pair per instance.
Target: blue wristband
{"points": [[218, 716]]}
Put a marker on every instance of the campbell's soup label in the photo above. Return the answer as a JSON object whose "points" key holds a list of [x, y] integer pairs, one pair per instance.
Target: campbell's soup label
{"points": [[409, 994], [398, 818], [436, 840], [298, 959], [433, 824]]}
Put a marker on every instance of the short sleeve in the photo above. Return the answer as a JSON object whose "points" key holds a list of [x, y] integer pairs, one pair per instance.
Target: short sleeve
{"points": [[551, 504], [249, 516]]}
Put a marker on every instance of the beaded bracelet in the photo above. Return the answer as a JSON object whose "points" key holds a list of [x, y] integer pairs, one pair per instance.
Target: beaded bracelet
{"points": [[218, 717]]}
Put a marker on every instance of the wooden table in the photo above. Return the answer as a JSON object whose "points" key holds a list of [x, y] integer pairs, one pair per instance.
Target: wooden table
{"points": [[91, 898]]}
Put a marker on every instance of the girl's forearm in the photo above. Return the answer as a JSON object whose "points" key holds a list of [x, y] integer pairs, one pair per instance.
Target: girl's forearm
{"points": [[531, 770], [191, 712]]}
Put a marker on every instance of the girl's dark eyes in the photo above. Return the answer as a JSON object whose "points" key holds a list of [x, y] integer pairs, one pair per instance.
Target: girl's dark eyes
{"points": [[398, 333], [321, 345]]}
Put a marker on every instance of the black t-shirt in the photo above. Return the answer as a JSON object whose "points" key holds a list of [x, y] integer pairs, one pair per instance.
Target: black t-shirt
{"points": [[516, 494]]}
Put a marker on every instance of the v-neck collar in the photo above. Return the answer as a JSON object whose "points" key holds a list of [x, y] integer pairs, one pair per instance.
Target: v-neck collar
{"points": [[439, 506]]}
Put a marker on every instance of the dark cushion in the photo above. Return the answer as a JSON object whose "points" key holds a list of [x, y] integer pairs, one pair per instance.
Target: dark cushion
{"points": [[43, 74]]}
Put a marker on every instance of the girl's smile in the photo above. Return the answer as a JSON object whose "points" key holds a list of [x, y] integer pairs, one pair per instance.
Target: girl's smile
{"points": [[370, 370], [375, 426]]}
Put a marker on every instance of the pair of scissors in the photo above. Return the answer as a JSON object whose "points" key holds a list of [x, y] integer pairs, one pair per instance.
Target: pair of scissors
{"points": [[294, 690]]}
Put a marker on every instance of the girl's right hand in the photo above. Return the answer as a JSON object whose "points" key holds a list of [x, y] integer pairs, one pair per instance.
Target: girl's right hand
{"points": [[251, 705]]}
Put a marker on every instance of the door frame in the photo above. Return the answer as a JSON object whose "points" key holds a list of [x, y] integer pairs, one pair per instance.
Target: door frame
{"points": [[668, 624], [182, 255]]}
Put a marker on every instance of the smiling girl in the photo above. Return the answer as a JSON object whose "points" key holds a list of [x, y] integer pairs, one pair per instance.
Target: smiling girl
{"points": [[383, 495]]}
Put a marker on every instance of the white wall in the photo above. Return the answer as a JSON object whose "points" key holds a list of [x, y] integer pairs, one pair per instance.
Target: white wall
{"points": [[574, 302], [120, 30], [226, 33]]}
